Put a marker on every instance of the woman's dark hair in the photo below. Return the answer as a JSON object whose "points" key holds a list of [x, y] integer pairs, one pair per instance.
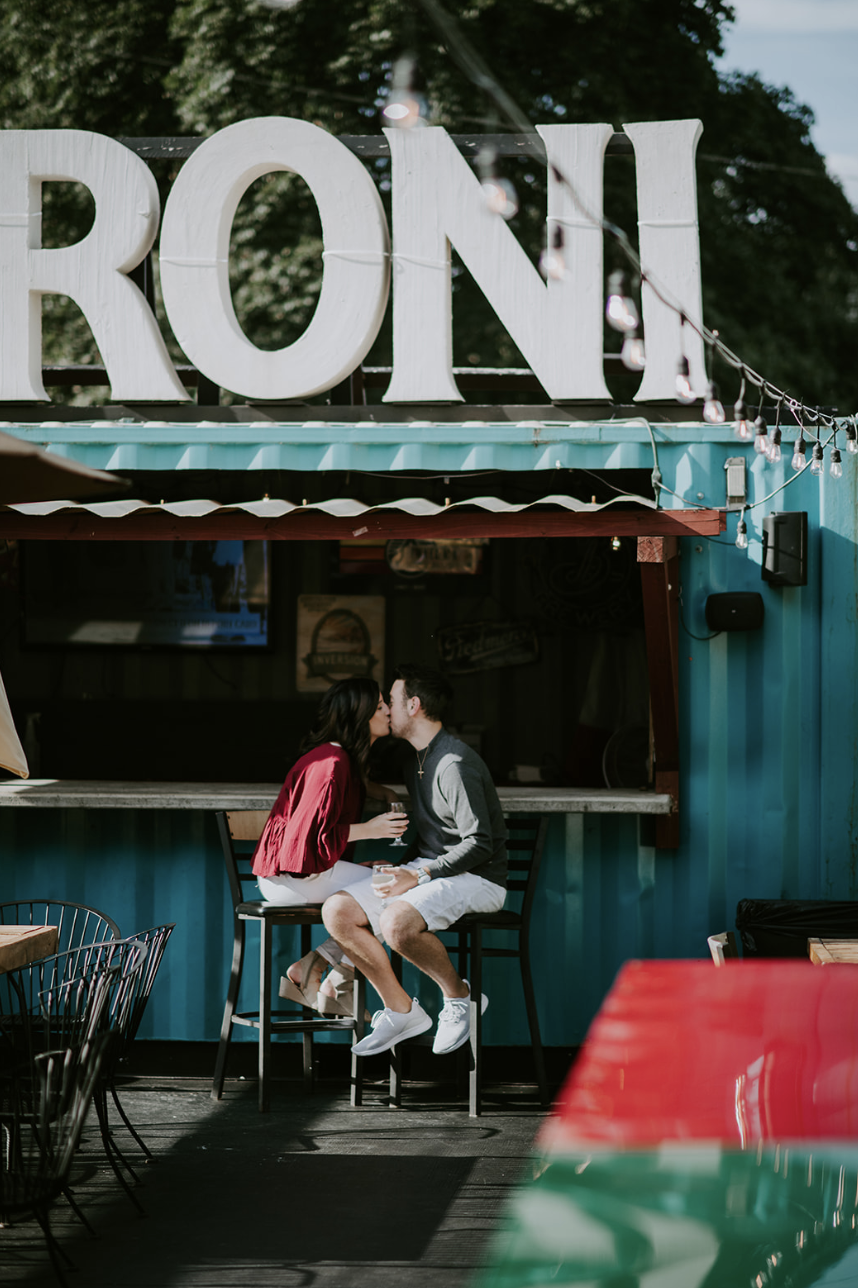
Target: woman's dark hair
{"points": [[343, 716]]}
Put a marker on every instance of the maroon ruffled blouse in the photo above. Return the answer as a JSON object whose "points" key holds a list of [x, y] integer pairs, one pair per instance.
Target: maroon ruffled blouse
{"points": [[308, 828]]}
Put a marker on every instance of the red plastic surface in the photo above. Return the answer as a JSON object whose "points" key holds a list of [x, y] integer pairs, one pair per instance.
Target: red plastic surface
{"points": [[682, 1051]]}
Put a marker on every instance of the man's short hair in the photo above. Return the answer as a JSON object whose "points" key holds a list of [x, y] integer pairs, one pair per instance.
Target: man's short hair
{"points": [[430, 686]]}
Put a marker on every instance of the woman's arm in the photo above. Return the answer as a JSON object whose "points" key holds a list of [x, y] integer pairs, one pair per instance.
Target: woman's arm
{"points": [[379, 828]]}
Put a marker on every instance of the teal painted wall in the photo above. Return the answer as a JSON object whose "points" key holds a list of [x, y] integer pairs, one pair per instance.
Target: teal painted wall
{"points": [[768, 756], [145, 867]]}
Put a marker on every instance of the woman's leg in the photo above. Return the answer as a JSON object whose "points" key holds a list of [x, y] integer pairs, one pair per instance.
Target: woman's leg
{"points": [[295, 892]]}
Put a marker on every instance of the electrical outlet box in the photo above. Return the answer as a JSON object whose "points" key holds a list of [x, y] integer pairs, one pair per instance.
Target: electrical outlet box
{"points": [[735, 467]]}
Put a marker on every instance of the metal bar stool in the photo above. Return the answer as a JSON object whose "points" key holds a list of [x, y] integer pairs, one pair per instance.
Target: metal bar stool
{"points": [[239, 830]]}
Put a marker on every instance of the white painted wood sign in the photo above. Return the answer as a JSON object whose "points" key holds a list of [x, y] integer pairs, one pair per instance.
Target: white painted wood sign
{"points": [[438, 203]]}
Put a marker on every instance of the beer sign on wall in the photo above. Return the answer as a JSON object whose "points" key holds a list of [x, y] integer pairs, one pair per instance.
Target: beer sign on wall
{"points": [[338, 636], [437, 202]]}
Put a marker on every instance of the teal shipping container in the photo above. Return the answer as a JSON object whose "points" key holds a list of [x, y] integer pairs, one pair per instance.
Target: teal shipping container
{"points": [[766, 715]]}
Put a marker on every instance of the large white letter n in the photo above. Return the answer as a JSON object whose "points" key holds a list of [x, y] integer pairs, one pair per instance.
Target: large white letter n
{"points": [[437, 200], [92, 272]]}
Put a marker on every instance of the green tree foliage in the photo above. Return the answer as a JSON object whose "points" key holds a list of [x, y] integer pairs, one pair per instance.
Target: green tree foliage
{"points": [[779, 240], [97, 66]]}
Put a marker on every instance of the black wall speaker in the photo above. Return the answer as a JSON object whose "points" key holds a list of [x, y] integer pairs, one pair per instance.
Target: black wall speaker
{"points": [[741, 610], [785, 548]]}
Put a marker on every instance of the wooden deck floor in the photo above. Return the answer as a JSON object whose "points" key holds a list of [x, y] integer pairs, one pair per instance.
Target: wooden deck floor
{"points": [[314, 1193]]}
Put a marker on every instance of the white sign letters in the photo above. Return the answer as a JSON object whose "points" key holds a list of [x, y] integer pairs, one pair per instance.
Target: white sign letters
{"points": [[195, 254], [92, 273], [437, 204]]}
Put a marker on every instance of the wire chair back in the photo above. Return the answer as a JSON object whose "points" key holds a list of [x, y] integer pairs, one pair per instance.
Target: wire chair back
{"points": [[76, 922], [154, 941], [39, 1148], [62, 1002], [66, 1080]]}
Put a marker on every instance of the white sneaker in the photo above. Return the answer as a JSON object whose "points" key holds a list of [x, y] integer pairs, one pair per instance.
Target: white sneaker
{"points": [[454, 1023], [390, 1027]]}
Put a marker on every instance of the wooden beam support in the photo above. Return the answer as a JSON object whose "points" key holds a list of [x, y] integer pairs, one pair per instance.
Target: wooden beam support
{"points": [[659, 566], [78, 524]]}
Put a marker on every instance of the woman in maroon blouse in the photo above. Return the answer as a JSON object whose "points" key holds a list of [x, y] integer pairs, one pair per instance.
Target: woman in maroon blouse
{"points": [[306, 849]]}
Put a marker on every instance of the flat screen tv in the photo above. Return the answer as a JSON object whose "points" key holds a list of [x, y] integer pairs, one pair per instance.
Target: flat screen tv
{"points": [[149, 594]]}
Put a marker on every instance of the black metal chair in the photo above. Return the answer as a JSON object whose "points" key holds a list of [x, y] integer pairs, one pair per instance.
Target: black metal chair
{"points": [[48, 1106], [68, 999], [127, 1012], [239, 831], [525, 844], [76, 923], [54, 1015]]}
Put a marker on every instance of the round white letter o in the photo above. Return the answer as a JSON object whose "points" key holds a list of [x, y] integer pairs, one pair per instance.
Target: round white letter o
{"points": [[194, 259]]}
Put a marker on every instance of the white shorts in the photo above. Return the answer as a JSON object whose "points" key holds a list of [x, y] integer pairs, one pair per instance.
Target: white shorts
{"points": [[440, 901], [292, 892]]}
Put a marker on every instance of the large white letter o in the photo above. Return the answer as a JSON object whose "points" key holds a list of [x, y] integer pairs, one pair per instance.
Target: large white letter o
{"points": [[195, 251]]}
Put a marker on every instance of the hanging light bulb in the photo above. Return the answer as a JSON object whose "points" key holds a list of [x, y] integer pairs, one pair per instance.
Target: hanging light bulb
{"points": [[835, 469], [682, 385], [773, 453], [761, 437], [684, 393], [552, 263], [799, 454], [499, 193], [616, 543], [621, 310], [818, 459], [406, 106], [713, 408], [500, 197], [740, 415], [851, 440], [633, 354], [742, 534]]}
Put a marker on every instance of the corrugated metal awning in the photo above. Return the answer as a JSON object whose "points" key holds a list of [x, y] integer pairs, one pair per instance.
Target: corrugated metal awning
{"points": [[341, 518]]}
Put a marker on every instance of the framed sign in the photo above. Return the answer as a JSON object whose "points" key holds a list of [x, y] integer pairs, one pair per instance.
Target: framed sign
{"points": [[483, 646], [338, 636], [416, 558]]}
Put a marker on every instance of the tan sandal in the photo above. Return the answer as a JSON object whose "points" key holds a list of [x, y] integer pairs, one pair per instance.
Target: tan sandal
{"points": [[341, 1002], [307, 991]]}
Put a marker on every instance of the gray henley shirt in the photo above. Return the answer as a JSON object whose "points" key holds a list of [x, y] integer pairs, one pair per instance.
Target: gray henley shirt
{"points": [[456, 809]]}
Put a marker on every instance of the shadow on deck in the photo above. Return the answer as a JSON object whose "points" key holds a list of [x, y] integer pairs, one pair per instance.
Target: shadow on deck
{"points": [[313, 1193]]}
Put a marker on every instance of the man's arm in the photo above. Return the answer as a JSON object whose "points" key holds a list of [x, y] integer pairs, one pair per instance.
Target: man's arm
{"points": [[464, 792], [378, 791]]}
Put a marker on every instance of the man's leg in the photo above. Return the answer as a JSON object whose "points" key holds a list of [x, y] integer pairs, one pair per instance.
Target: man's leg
{"points": [[406, 931], [402, 1017], [347, 922]]}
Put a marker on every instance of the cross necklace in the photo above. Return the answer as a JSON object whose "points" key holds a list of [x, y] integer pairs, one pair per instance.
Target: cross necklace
{"points": [[421, 763]]}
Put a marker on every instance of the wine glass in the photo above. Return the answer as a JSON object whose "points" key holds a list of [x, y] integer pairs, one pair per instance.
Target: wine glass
{"points": [[396, 807]]}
